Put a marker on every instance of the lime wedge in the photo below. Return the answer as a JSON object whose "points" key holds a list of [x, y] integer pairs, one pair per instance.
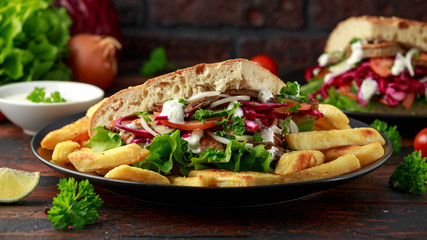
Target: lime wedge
{"points": [[16, 184]]}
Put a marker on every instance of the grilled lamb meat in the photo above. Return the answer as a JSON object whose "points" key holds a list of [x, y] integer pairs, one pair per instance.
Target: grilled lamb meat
{"points": [[207, 142], [235, 92], [200, 103]]}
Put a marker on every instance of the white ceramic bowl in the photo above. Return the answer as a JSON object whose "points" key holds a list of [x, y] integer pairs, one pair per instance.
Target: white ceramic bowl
{"points": [[32, 117]]}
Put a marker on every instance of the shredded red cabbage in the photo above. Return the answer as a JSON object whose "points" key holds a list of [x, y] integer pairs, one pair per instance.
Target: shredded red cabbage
{"points": [[393, 88], [137, 132]]}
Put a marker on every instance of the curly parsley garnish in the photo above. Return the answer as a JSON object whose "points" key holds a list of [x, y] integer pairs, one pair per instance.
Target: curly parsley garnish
{"points": [[257, 137], [235, 124], [39, 95], [411, 175], [391, 132], [75, 206]]}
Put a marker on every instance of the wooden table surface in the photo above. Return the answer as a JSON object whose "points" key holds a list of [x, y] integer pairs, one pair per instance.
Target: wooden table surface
{"points": [[366, 208]]}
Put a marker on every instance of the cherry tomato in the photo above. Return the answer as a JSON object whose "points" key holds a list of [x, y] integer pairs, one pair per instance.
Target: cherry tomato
{"points": [[266, 62], [382, 65], [420, 142], [93, 59]]}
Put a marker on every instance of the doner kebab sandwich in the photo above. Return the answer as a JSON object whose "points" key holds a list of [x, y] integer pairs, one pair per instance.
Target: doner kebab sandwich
{"points": [[373, 64], [220, 120]]}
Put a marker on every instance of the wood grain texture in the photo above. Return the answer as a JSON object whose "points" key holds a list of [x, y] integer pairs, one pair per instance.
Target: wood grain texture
{"points": [[362, 209]]}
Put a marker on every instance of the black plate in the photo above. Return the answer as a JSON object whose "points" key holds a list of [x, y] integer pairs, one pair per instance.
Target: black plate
{"points": [[205, 196], [408, 125]]}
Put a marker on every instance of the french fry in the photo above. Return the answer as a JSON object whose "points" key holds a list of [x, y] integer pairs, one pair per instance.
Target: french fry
{"points": [[319, 140], [263, 178], [62, 149], [298, 160], [128, 173], [188, 181], [366, 154], [340, 166], [75, 131], [85, 160], [223, 178], [333, 118]]}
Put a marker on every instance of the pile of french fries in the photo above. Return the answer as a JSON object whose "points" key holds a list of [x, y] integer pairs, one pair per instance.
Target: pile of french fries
{"points": [[333, 149]]}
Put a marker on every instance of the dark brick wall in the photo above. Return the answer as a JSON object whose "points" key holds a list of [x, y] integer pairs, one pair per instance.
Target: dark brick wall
{"points": [[293, 32]]}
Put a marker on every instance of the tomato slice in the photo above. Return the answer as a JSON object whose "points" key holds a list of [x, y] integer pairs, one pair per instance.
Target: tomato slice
{"points": [[192, 125], [408, 101], [345, 89], [303, 107], [382, 65]]}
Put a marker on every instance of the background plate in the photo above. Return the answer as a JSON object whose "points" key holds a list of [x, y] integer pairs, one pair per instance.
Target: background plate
{"points": [[408, 125], [204, 196]]}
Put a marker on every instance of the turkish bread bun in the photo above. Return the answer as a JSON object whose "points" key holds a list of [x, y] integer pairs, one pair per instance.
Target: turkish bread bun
{"points": [[407, 32], [231, 74]]}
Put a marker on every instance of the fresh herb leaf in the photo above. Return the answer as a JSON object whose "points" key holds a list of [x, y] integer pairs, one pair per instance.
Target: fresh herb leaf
{"points": [[391, 132], [354, 40], [236, 125], [411, 175], [287, 125], [292, 88], [294, 108], [104, 140], [156, 63], [75, 206], [144, 115], [201, 114], [257, 137], [181, 100], [39, 95]]}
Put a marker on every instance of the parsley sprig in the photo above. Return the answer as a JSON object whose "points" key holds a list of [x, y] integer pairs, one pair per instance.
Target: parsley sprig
{"points": [[231, 123], [75, 206], [411, 175], [156, 63], [391, 132], [39, 95]]}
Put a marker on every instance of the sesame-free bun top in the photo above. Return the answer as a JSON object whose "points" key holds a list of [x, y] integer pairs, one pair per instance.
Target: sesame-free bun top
{"points": [[407, 32], [230, 74]]}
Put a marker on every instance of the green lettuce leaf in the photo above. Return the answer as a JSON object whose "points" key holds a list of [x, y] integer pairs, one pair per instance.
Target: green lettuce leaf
{"points": [[169, 151], [236, 157], [164, 150], [104, 140], [33, 41]]}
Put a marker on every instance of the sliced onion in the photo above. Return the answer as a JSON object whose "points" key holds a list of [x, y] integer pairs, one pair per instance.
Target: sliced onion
{"points": [[202, 95], [146, 127], [230, 99], [293, 127], [138, 132], [226, 141], [408, 60]]}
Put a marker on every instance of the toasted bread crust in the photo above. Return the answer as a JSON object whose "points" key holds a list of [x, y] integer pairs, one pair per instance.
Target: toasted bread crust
{"points": [[231, 74], [407, 32]]}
